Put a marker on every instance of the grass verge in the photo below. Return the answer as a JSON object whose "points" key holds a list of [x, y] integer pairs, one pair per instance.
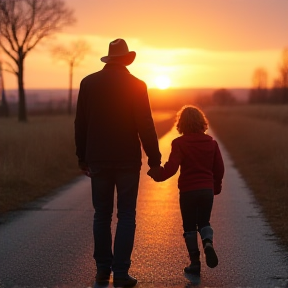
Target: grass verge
{"points": [[257, 140], [36, 157]]}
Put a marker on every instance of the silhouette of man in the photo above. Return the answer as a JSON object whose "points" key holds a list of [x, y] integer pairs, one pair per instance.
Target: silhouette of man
{"points": [[113, 118]]}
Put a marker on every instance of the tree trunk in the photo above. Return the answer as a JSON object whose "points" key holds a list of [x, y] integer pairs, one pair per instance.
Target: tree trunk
{"points": [[5, 107], [70, 89], [22, 113]]}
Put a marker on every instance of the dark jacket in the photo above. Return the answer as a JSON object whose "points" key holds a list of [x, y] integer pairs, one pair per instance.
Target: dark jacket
{"points": [[113, 112], [200, 161]]}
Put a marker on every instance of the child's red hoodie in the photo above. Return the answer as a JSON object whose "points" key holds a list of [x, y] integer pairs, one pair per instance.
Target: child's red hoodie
{"points": [[200, 161]]}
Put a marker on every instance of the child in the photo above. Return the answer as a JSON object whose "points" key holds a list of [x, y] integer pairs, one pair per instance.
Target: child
{"points": [[201, 173]]}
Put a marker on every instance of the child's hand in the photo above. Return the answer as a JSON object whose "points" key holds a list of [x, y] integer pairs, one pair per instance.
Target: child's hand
{"points": [[217, 189], [156, 173]]}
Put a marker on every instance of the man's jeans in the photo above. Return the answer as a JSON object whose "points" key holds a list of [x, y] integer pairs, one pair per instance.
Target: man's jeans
{"points": [[104, 181], [196, 209]]}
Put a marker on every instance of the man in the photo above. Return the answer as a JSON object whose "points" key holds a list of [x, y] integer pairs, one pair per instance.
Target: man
{"points": [[113, 116]]}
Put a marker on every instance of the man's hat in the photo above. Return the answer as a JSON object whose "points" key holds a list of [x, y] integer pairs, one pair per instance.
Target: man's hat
{"points": [[119, 53]]}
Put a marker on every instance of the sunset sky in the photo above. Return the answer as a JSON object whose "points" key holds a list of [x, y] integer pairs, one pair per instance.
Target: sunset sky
{"points": [[194, 43]]}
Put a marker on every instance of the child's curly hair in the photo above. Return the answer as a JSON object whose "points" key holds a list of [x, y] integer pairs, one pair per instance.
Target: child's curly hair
{"points": [[191, 119]]}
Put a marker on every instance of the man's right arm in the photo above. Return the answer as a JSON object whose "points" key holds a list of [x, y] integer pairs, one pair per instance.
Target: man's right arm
{"points": [[80, 127]]}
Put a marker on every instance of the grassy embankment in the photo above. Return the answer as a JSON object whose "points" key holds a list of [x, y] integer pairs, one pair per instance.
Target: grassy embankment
{"points": [[257, 139], [39, 156], [36, 157]]}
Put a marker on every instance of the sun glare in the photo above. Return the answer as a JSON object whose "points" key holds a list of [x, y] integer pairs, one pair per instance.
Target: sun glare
{"points": [[162, 82]]}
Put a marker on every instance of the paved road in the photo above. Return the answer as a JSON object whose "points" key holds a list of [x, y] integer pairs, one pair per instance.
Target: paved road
{"points": [[50, 243]]}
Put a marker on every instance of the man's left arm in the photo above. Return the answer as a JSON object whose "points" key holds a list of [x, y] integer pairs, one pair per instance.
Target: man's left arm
{"points": [[80, 129], [146, 128]]}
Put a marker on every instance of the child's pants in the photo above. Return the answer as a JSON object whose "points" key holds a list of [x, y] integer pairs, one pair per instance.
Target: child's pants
{"points": [[196, 209]]}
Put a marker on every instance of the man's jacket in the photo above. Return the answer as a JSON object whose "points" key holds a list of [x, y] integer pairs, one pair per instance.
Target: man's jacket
{"points": [[113, 115]]}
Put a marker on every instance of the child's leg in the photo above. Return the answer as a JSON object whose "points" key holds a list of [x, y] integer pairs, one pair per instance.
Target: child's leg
{"points": [[194, 253], [207, 240], [189, 216], [206, 231]]}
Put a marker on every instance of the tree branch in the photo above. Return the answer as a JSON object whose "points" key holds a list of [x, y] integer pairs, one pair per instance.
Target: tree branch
{"points": [[13, 71], [8, 53]]}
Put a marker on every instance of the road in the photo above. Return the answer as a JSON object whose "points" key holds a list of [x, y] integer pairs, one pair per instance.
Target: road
{"points": [[49, 244]]}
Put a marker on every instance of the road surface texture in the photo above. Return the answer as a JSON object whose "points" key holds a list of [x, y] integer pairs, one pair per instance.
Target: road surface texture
{"points": [[49, 244]]}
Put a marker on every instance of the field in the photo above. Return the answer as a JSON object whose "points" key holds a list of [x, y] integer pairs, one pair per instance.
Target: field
{"points": [[36, 157], [257, 140]]}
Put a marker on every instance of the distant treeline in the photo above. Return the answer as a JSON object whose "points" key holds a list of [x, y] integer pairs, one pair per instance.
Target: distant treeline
{"points": [[275, 95], [174, 99]]}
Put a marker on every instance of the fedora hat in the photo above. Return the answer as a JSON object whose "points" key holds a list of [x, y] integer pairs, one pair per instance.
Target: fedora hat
{"points": [[119, 53]]}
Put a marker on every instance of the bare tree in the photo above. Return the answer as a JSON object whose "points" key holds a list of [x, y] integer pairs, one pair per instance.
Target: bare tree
{"points": [[283, 68], [259, 92], [72, 55], [23, 24], [260, 78], [279, 91]]}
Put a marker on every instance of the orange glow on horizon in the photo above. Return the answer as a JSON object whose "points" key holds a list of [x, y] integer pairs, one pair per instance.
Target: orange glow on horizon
{"points": [[185, 67], [182, 68]]}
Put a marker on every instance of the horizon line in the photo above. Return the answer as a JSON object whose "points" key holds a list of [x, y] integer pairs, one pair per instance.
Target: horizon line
{"points": [[148, 88]]}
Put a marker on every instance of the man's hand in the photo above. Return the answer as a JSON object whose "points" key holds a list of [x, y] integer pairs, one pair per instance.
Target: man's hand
{"points": [[156, 173]]}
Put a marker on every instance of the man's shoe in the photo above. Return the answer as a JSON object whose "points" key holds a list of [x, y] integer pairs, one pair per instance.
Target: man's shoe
{"points": [[126, 281], [211, 256], [102, 276]]}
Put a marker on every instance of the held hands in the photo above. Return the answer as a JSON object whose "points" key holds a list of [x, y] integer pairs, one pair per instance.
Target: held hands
{"points": [[156, 173], [84, 168]]}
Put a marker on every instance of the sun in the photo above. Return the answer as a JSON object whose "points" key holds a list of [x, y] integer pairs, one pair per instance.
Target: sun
{"points": [[162, 82]]}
